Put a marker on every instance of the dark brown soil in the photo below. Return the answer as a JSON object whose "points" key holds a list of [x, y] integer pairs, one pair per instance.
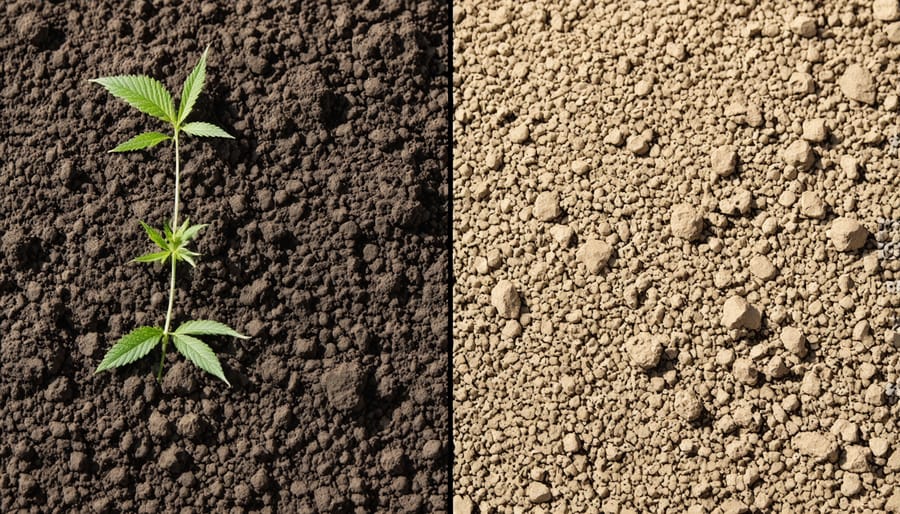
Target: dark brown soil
{"points": [[327, 244]]}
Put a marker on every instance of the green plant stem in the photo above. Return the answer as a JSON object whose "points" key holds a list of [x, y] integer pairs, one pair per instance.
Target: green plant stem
{"points": [[177, 184], [166, 333], [162, 358]]}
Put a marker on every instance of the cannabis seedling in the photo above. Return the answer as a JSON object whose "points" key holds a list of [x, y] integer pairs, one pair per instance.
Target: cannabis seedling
{"points": [[149, 96]]}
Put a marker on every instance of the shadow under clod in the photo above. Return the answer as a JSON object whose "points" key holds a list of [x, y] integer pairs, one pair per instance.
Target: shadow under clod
{"points": [[333, 108]]}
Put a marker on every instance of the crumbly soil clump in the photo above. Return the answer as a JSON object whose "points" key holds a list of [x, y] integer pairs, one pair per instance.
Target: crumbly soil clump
{"points": [[327, 245], [733, 345]]}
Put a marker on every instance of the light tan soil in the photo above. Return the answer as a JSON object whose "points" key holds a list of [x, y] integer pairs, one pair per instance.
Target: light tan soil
{"points": [[672, 290]]}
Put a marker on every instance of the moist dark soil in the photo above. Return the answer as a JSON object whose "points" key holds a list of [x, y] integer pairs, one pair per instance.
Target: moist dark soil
{"points": [[327, 244]]}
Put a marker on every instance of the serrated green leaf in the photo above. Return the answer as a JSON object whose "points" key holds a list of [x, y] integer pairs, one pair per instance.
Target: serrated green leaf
{"points": [[183, 254], [208, 327], [203, 129], [153, 257], [188, 259], [131, 347], [141, 141], [200, 354], [168, 232], [193, 85], [191, 232], [155, 236], [144, 93]]}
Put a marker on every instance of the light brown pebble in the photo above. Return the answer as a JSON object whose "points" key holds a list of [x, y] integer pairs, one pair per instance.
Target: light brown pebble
{"points": [[753, 117], [821, 447], [892, 505], [505, 298], [676, 51], [814, 130], [851, 485], [794, 341], [886, 10], [686, 222], [571, 443], [519, 134], [594, 254], [811, 205], [739, 203], [850, 167], [776, 368], [645, 350], [856, 83], [892, 102], [846, 430], [800, 83], [538, 492], [787, 198], [688, 405], [580, 167], [614, 137], [546, 206], [874, 395], [733, 506], [791, 403], [725, 357], [799, 155], [744, 371], [512, 329], [879, 446], [847, 234], [643, 87], [738, 313], [860, 330], [762, 268], [463, 505], [893, 34], [803, 26], [637, 144], [562, 234], [856, 459], [723, 160]]}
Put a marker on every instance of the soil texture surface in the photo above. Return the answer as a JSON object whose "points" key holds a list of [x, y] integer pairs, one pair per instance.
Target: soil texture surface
{"points": [[327, 244], [676, 232]]}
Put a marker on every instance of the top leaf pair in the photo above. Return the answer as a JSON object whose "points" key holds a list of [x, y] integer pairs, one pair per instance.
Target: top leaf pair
{"points": [[149, 96]]}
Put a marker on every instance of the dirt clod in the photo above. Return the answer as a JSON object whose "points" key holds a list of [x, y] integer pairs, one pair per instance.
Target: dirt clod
{"points": [[800, 155], [847, 234], [723, 160], [738, 313], [505, 298], [343, 386], [818, 446], [856, 83], [686, 222], [645, 351], [595, 254], [538, 493]]}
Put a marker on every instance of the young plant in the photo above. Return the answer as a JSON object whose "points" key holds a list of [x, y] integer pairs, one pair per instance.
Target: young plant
{"points": [[149, 96]]}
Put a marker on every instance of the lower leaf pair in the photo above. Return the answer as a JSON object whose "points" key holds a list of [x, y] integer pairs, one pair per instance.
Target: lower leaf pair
{"points": [[140, 341]]}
